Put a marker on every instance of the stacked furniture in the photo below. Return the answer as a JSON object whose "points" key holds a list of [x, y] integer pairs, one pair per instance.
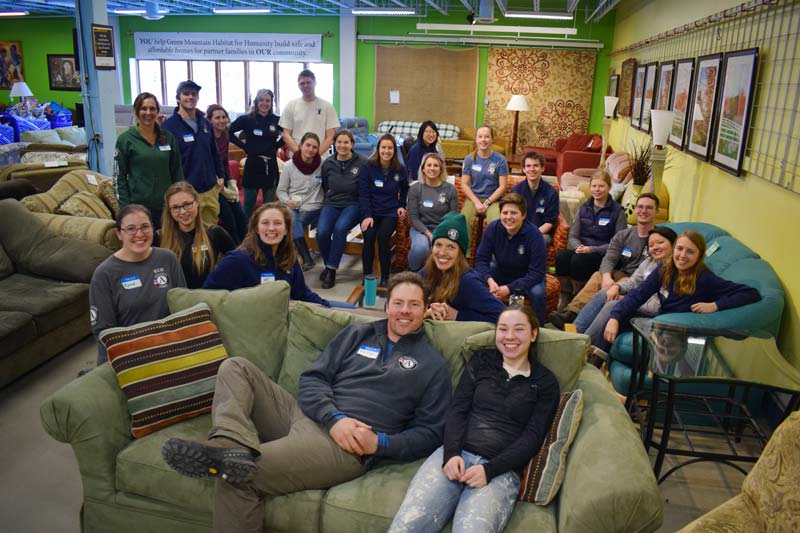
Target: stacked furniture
{"points": [[44, 290], [733, 261], [608, 484], [41, 175], [81, 205], [359, 127], [576, 151]]}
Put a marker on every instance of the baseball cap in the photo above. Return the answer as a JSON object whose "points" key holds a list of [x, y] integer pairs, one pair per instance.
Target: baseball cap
{"points": [[188, 84]]}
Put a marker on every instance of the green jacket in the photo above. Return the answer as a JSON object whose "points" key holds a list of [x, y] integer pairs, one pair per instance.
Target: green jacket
{"points": [[143, 171]]}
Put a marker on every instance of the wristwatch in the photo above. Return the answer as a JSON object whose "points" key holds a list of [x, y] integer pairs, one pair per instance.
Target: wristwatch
{"points": [[487, 202]]}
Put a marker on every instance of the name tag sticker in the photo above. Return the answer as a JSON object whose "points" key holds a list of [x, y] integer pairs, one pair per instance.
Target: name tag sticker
{"points": [[131, 282], [378, 183], [203, 247], [318, 177], [664, 292], [188, 138], [476, 167], [53, 164], [604, 221], [626, 252], [711, 249], [165, 148], [540, 209], [370, 352], [267, 277], [258, 132], [427, 203], [91, 179]]}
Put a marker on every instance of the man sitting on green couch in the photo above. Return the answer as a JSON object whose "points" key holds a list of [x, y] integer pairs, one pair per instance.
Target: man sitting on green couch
{"points": [[377, 390]]}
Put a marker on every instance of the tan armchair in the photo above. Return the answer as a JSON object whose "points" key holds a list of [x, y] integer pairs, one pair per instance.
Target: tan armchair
{"points": [[770, 492], [459, 148]]}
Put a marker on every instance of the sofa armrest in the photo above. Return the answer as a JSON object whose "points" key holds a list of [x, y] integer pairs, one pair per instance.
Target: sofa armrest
{"points": [[608, 484], [571, 160], [560, 143], [90, 414]]}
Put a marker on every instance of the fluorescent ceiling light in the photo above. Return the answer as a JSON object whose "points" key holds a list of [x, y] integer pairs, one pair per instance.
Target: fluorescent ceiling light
{"points": [[376, 11], [138, 11], [537, 15], [240, 10], [498, 29], [14, 13], [459, 39]]}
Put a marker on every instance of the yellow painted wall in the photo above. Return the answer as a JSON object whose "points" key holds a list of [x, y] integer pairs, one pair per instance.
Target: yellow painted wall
{"points": [[763, 216]]}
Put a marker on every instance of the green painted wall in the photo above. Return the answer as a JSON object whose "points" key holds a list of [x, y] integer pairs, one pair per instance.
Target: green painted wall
{"points": [[40, 37]]}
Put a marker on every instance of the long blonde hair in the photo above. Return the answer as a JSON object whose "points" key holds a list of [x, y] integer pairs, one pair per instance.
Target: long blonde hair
{"points": [[685, 282], [204, 257], [443, 286]]}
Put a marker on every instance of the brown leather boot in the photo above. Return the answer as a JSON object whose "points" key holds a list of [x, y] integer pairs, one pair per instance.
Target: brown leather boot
{"points": [[221, 457]]}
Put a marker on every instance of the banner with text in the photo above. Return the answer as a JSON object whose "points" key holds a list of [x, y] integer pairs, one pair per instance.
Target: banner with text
{"points": [[229, 46]]}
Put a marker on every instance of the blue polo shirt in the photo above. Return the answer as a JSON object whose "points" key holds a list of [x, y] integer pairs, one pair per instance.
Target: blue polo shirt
{"points": [[484, 172]]}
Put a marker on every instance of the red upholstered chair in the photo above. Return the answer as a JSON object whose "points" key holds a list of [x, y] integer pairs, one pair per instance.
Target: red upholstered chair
{"points": [[576, 151]]}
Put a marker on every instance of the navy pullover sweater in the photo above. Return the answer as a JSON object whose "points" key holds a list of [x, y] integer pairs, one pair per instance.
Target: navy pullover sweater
{"points": [[382, 191], [238, 269], [542, 203], [519, 260], [200, 158], [709, 288]]}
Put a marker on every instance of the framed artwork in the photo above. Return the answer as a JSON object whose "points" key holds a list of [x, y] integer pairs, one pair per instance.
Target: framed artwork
{"points": [[733, 113], [704, 102], [679, 102], [10, 63], [638, 93], [666, 75], [613, 85], [648, 96], [626, 87], [62, 74]]}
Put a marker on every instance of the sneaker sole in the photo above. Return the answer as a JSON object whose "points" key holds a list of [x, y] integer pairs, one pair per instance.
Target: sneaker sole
{"points": [[234, 465]]}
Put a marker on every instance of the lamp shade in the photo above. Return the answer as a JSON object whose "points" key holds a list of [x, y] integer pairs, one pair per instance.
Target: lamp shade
{"points": [[20, 89], [662, 124], [517, 103], [610, 105]]}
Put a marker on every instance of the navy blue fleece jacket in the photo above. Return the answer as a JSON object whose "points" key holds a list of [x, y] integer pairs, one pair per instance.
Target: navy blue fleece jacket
{"points": [[200, 158], [519, 260], [382, 191], [542, 203]]}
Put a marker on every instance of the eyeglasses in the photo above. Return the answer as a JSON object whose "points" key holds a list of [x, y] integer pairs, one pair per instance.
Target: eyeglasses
{"points": [[175, 209], [133, 230]]}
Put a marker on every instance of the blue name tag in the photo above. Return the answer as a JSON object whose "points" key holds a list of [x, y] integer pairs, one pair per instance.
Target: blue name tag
{"points": [[188, 138], [604, 221], [266, 277], [540, 209], [131, 282], [318, 177], [627, 252], [165, 148], [378, 183], [476, 168], [369, 352], [258, 132], [427, 203]]}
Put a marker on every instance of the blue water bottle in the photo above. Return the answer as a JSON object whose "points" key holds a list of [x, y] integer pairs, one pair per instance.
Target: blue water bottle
{"points": [[370, 290]]}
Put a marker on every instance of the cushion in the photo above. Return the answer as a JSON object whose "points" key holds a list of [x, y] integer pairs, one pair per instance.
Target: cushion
{"points": [[40, 136], [6, 263], [252, 322], [73, 181], [84, 204], [47, 157], [16, 330], [166, 368], [109, 196], [542, 476], [577, 142], [52, 303], [96, 230], [74, 135]]}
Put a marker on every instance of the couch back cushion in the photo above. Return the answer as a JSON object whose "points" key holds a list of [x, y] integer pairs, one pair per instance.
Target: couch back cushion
{"points": [[562, 353], [74, 135], [40, 136], [578, 142], [708, 231], [726, 251], [74, 181], [252, 322], [84, 204], [618, 165], [6, 264]]}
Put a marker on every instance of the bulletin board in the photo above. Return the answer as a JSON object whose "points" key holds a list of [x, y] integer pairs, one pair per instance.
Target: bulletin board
{"points": [[433, 83]]}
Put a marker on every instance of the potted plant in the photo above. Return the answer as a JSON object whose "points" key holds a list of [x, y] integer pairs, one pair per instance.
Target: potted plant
{"points": [[642, 171]]}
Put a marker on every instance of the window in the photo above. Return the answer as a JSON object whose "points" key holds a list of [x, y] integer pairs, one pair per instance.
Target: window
{"points": [[233, 84]]}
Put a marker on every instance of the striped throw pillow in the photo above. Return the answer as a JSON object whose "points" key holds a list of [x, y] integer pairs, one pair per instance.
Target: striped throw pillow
{"points": [[84, 204], [542, 477], [166, 368]]}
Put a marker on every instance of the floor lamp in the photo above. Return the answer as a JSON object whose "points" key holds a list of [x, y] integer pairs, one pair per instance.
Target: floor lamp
{"points": [[610, 105], [516, 104], [661, 122]]}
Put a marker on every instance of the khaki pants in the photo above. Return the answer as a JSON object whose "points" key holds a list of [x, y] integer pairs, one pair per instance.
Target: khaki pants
{"points": [[296, 453], [209, 205], [590, 289], [469, 212]]}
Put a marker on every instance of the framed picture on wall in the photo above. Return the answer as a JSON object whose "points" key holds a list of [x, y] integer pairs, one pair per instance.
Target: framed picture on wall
{"points": [[638, 93], [648, 96], [733, 110], [679, 102], [704, 102], [666, 75], [613, 85], [62, 74], [10, 63], [626, 77]]}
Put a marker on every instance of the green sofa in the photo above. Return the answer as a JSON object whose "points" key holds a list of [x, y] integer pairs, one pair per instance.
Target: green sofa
{"points": [[608, 484], [44, 290]]}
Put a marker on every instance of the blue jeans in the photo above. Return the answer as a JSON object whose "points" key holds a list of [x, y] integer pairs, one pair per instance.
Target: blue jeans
{"points": [[419, 250], [538, 295], [596, 313], [301, 219], [590, 310], [332, 228], [432, 500], [251, 195]]}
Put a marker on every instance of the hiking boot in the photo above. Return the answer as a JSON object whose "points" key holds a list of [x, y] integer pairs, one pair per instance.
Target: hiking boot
{"points": [[597, 357], [330, 279], [558, 319], [302, 250], [221, 457]]}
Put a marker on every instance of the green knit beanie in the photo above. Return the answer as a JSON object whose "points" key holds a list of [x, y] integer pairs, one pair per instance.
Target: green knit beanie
{"points": [[454, 227]]}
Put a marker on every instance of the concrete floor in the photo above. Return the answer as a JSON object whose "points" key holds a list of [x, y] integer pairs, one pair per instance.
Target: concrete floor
{"points": [[41, 488]]}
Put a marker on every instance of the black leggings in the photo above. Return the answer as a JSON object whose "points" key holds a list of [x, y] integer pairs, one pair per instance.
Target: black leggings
{"points": [[579, 267], [382, 228]]}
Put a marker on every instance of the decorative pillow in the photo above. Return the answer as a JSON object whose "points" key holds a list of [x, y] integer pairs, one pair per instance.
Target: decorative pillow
{"points": [[75, 135], [109, 196], [40, 136], [166, 368], [542, 477], [84, 204]]}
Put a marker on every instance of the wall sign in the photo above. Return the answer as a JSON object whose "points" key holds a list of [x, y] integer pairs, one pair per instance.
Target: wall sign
{"points": [[103, 45], [229, 46]]}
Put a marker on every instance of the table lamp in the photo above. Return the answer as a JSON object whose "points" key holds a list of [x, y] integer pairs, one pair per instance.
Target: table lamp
{"points": [[516, 104], [610, 105], [20, 89], [661, 122]]}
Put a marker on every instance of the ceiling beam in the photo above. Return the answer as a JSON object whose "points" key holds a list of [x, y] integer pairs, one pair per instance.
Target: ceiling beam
{"points": [[572, 5], [435, 6]]}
